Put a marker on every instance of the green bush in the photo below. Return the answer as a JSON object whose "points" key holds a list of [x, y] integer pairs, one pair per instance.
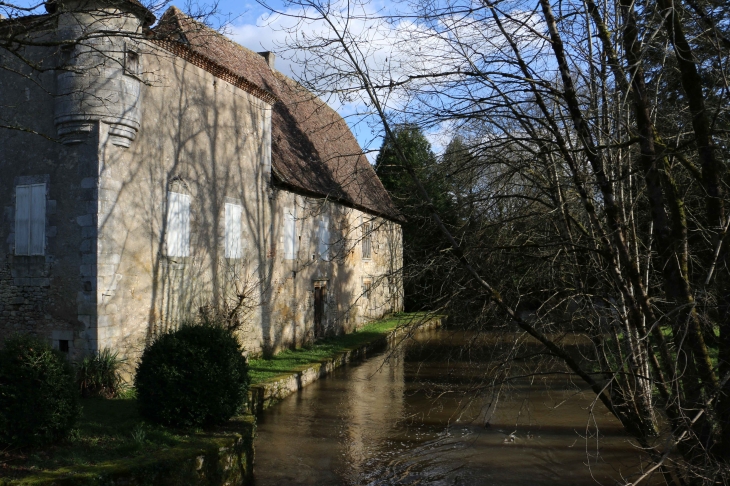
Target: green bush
{"points": [[99, 375], [38, 399], [195, 376]]}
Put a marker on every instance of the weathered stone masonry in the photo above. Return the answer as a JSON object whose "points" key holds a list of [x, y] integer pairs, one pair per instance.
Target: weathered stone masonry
{"points": [[135, 116]]}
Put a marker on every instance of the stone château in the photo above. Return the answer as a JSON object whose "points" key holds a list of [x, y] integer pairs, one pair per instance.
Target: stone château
{"points": [[152, 170]]}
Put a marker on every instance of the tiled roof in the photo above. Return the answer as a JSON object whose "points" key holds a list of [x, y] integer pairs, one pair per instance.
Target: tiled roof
{"points": [[215, 53], [313, 149]]}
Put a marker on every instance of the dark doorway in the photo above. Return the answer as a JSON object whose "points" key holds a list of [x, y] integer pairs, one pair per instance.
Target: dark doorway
{"points": [[319, 296]]}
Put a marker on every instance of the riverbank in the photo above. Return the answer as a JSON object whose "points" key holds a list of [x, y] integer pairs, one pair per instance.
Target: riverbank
{"points": [[276, 378], [427, 415], [112, 445]]}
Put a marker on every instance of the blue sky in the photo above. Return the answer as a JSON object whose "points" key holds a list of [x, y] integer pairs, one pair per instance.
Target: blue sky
{"points": [[250, 24]]}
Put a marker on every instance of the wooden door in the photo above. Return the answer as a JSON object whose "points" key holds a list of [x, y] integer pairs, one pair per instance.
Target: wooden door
{"points": [[319, 294]]}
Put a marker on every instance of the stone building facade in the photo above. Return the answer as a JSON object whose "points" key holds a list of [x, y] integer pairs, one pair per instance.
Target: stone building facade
{"points": [[153, 171]]}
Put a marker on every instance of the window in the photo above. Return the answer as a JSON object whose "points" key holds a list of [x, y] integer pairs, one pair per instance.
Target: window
{"points": [[178, 224], [131, 62], [233, 230], [323, 238], [290, 235], [367, 241], [63, 345], [67, 53], [367, 286], [30, 219]]}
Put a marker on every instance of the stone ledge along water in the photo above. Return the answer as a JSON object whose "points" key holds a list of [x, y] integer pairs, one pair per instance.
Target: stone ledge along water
{"points": [[263, 395]]}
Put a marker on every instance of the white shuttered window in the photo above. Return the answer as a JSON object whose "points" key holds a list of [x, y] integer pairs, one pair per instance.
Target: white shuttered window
{"points": [[367, 240], [290, 235], [30, 219], [323, 237], [178, 224], [233, 230]]}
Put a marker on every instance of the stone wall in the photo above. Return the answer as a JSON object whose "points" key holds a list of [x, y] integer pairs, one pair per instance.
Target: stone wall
{"points": [[201, 137], [343, 271], [41, 293], [106, 278]]}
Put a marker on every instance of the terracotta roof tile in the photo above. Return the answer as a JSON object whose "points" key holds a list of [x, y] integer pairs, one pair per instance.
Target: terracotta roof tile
{"points": [[213, 52], [313, 149]]}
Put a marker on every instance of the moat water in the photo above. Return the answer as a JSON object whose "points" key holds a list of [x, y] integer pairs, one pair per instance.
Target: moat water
{"points": [[418, 415]]}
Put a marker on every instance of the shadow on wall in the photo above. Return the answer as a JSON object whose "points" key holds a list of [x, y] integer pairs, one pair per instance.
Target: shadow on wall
{"points": [[200, 147], [203, 145]]}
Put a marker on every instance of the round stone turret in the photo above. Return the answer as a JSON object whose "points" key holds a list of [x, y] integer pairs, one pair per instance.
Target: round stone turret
{"points": [[99, 70]]}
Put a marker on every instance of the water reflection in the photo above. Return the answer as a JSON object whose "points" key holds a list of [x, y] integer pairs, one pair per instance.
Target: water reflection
{"points": [[402, 419]]}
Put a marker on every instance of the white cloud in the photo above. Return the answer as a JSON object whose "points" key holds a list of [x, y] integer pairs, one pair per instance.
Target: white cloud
{"points": [[415, 63]]}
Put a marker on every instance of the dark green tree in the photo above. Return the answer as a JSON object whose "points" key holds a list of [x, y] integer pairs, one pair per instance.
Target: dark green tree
{"points": [[421, 238]]}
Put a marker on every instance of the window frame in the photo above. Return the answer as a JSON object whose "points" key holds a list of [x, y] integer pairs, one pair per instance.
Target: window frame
{"points": [[367, 288], [323, 238], [177, 245], [233, 229], [290, 234], [367, 240], [36, 219], [132, 62]]}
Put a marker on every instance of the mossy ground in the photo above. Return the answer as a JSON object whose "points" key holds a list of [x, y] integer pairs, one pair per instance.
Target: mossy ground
{"points": [[111, 435]]}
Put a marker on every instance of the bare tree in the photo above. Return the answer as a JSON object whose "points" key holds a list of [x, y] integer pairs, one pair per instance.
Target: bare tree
{"points": [[598, 136]]}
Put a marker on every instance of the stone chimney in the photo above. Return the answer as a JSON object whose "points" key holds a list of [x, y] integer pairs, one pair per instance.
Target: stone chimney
{"points": [[270, 58]]}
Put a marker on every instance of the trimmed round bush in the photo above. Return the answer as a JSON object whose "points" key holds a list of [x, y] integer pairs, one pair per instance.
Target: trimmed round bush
{"points": [[195, 376], [38, 398]]}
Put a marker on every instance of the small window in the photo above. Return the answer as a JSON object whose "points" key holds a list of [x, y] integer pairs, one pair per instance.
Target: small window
{"points": [[178, 224], [323, 238], [131, 63], [367, 241], [67, 53], [30, 219], [290, 235], [63, 345], [233, 230], [367, 286]]}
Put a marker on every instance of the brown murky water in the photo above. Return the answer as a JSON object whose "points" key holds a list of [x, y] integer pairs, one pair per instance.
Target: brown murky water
{"points": [[404, 421]]}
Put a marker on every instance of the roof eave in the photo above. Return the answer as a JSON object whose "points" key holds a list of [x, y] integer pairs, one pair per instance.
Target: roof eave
{"points": [[205, 63], [278, 181]]}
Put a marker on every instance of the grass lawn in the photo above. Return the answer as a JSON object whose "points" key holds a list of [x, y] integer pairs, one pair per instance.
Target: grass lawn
{"points": [[294, 360]]}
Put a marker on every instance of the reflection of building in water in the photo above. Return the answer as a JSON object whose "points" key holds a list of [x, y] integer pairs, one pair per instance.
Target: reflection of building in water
{"points": [[183, 170], [375, 405]]}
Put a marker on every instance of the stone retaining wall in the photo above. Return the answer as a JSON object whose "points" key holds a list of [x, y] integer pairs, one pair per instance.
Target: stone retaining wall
{"points": [[263, 395]]}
